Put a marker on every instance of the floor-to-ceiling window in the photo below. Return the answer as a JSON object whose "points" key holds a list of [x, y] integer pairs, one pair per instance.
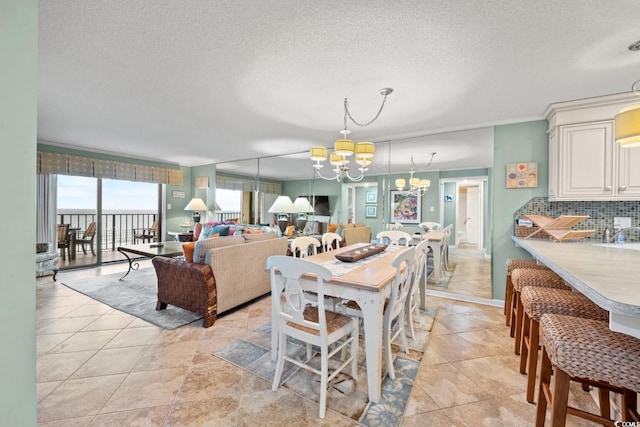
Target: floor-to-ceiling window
{"points": [[102, 214]]}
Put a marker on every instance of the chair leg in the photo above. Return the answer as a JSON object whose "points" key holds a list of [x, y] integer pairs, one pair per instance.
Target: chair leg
{"points": [[518, 322], [524, 340], [605, 405], [93, 252], [324, 375], [544, 392], [532, 358], [386, 342], [515, 296], [282, 349], [560, 399], [507, 301]]}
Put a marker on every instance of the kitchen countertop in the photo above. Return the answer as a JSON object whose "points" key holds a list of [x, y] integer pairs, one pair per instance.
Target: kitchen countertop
{"points": [[609, 276]]}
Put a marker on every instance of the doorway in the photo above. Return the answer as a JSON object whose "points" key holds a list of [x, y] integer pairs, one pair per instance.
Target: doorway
{"points": [[465, 206]]}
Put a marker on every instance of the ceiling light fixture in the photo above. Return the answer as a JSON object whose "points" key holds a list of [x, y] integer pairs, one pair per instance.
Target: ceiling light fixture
{"points": [[627, 121], [417, 186], [344, 148]]}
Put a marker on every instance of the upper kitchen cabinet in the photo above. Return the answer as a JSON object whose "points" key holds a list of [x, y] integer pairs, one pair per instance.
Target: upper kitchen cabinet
{"points": [[585, 163]]}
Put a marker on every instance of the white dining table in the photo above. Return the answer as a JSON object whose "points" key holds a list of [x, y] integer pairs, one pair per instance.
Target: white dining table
{"points": [[368, 283]]}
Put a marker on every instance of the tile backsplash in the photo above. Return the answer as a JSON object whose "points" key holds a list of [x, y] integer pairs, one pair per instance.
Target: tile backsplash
{"points": [[601, 214]]}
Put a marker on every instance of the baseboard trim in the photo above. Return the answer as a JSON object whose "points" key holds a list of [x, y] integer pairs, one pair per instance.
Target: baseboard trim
{"points": [[466, 298]]}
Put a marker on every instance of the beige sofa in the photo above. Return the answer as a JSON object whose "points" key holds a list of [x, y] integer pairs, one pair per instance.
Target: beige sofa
{"points": [[239, 267], [230, 271]]}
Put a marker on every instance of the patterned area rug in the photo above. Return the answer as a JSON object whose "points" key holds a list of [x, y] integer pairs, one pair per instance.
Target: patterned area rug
{"points": [[345, 396], [137, 295]]}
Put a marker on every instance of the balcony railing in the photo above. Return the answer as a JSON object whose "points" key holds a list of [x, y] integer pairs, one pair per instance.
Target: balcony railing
{"points": [[117, 227]]}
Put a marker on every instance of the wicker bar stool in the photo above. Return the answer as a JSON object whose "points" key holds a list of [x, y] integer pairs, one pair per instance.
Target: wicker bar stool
{"points": [[538, 301], [512, 264], [521, 277], [586, 351]]}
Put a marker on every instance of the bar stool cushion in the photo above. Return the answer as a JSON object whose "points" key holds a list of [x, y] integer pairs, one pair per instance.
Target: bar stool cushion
{"points": [[522, 277], [537, 301], [512, 264], [587, 348]]}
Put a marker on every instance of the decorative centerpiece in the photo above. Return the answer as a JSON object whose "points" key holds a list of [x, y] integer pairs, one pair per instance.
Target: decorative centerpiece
{"points": [[357, 254]]}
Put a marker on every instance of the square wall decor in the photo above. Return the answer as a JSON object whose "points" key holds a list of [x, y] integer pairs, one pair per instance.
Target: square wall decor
{"points": [[522, 175]]}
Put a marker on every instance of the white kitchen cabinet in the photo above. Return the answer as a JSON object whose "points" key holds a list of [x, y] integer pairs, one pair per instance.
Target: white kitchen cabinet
{"points": [[585, 163]]}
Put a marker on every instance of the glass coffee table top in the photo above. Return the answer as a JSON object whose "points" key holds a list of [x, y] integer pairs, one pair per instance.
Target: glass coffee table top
{"points": [[149, 250]]}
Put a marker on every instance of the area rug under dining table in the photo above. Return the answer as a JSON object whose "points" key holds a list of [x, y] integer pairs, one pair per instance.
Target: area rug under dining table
{"points": [[252, 353]]}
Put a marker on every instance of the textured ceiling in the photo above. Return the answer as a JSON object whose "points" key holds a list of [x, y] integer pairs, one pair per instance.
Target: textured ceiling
{"points": [[198, 82]]}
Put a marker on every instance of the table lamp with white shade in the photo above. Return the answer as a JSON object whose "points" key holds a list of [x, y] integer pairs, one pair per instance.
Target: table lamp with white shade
{"points": [[283, 206], [196, 205], [303, 207]]}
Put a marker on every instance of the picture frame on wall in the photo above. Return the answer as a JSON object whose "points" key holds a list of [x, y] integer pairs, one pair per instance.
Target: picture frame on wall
{"points": [[522, 175], [370, 211], [405, 208], [372, 197]]}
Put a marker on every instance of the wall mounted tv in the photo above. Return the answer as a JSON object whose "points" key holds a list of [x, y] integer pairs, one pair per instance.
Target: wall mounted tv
{"points": [[320, 204]]}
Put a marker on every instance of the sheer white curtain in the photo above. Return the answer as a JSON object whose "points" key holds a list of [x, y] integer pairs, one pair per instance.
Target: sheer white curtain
{"points": [[46, 206]]}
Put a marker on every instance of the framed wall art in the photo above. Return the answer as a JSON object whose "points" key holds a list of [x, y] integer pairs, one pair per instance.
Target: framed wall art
{"points": [[522, 175], [405, 209], [371, 211], [372, 197]]}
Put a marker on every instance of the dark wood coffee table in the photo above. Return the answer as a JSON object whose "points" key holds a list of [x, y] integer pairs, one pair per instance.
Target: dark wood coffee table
{"points": [[149, 250]]}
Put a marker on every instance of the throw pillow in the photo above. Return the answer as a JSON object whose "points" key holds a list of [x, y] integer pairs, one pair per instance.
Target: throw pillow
{"points": [[253, 231], [208, 230], [289, 231], [187, 250], [331, 228], [213, 236]]}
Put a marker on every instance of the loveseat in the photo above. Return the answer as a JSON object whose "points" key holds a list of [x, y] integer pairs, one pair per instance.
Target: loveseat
{"points": [[237, 265]]}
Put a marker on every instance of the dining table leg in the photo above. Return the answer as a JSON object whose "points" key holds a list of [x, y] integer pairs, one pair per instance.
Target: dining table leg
{"points": [[372, 314]]}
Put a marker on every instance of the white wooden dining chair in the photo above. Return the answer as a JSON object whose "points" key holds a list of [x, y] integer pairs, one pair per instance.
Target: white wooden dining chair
{"points": [[394, 237], [301, 247], [329, 240], [419, 269], [444, 257], [429, 226], [394, 312], [297, 317]]}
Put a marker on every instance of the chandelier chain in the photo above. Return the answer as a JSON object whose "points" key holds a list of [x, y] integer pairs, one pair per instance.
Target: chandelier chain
{"points": [[348, 113]]}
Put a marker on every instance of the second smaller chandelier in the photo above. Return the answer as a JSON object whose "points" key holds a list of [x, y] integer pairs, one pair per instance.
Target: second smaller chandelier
{"points": [[417, 186]]}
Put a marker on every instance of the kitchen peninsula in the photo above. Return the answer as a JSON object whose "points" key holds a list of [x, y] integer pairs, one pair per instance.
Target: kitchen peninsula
{"points": [[609, 276]]}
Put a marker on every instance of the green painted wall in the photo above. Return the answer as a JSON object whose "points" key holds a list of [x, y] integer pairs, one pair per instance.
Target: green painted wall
{"points": [[18, 133], [512, 144], [449, 208]]}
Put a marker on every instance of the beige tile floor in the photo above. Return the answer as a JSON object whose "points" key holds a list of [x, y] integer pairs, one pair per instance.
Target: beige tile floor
{"points": [[98, 366]]}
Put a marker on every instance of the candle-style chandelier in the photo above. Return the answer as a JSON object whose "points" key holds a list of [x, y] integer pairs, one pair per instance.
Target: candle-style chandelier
{"points": [[417, 186], [344, 148]]}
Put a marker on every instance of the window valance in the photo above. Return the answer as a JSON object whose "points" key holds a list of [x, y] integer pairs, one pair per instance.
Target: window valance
{"points": [[247, 184], [66, 164]]}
